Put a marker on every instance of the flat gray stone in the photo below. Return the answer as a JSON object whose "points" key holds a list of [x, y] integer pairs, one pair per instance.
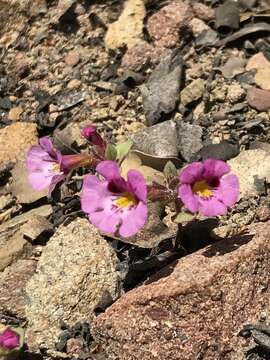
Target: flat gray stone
{"points": [[190, 140], [160, 93], [157, 140]]}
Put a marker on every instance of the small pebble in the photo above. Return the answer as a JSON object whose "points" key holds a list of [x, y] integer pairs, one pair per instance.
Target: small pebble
{"points": [[72, 58], [15, 113], [74, 84], [257, 61], [263, 213], [198, 26], [235, 93]]}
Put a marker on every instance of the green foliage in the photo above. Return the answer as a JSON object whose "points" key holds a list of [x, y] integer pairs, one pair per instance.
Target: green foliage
{"points": [[111, 152], [184, 217], [169, 170], [123, 150]]}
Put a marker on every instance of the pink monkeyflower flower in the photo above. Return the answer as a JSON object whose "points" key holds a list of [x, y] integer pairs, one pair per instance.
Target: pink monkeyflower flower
{"points": [[91, 134], [113, 203], [208, 187], [9, 339], [47, 166]]}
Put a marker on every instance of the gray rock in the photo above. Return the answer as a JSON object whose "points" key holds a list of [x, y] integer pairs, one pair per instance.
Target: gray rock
{"points": [[158, 140], [233, 66], [76, 273], [70, 137], [160, 93], [222, 151], [206, 37], [168, 138], [190, 140], [253, 169]]}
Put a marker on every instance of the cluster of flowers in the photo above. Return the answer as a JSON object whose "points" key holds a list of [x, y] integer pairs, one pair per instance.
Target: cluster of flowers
{"points": [[117, 205]]}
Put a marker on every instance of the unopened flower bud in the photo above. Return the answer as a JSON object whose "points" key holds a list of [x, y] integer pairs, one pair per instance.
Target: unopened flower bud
{"points": [[91, 134]]}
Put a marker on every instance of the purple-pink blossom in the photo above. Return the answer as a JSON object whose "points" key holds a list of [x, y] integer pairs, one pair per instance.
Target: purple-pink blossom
{"points": [[47, 166], [9, 339], [91, 134], [208, 187], [114, 204]]}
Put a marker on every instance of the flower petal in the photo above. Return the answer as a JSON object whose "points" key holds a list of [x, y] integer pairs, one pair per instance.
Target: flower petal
{"points": [[35, 156], [133, 220], [94, 194], [47, 145], [228, 190], [40, 180], [54, 181], [191, 173], [211, 206], [189, 199], [106, 220], [137, 184], [9, 339], [109, 169], [215, 168]]}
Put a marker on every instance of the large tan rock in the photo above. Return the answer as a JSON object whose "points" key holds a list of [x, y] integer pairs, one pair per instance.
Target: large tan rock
{"points": [[128, 28], [15, 140], [193, 308], [253, 169]]}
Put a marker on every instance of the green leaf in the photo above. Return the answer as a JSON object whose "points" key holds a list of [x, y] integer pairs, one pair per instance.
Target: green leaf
{"points": [[111, 152], [123, 149], [169, 170], [183, 217]]}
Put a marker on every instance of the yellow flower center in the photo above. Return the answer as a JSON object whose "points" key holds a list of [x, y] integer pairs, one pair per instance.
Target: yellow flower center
{"points": [[202, 189], [56, 167], [126, 200]]}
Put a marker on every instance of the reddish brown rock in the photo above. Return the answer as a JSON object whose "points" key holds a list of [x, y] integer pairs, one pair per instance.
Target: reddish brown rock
{"points": [[12, 284], [166, 24], [137, 55], [257, 62], [194, 308], [72, 58], [203, 12], [259, 99]]}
